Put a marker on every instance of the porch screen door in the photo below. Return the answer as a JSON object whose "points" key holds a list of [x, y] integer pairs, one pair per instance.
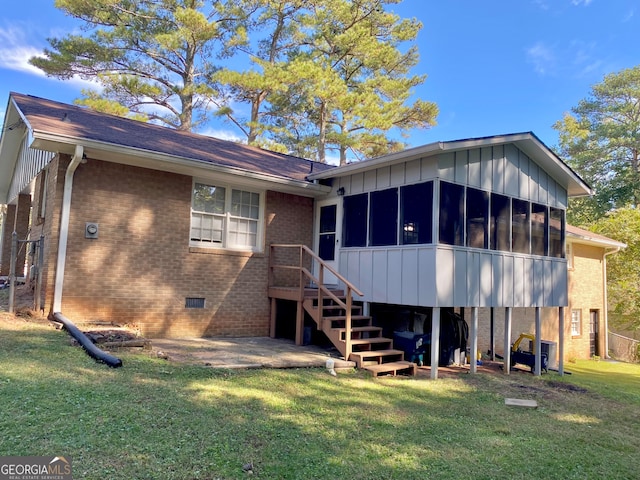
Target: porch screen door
{"points": [[328, 228]]}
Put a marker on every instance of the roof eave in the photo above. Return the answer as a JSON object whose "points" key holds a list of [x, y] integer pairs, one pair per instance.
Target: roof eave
{"points": [[595, 241], [171, 163], [526, 141]]}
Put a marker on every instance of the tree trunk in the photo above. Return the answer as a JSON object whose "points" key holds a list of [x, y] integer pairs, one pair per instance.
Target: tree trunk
{"points": [[322, 134]]}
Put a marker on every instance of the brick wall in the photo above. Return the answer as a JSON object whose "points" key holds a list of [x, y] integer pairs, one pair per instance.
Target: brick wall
{"points": [[7, 230], [141, 268], [585, 294]]}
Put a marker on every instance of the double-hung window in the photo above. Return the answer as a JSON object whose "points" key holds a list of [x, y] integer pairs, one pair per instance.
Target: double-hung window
{"points": [[225, 217]]}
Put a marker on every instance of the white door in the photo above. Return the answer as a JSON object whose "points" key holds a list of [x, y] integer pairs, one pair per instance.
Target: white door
{"points": [[328, 230]]}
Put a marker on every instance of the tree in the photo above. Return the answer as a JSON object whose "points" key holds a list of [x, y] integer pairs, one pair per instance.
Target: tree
{"points": [[352, 81], [601, 141], [275, 24], [325, 74], [154, 57], [623, 268]]}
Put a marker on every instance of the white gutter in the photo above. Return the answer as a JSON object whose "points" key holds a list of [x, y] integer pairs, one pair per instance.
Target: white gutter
{"points": [[606, 299], [64, 228]]}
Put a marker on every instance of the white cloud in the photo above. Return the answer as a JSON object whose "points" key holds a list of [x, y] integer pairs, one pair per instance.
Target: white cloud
{"points": [[577, 3], [628, 16], [542, 57], [222, 135], [15, 51]]}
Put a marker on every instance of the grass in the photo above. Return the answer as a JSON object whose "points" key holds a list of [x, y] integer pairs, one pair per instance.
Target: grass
{"points": [[154, 419]]}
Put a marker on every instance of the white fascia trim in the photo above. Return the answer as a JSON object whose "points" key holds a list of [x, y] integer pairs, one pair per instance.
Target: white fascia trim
{"points": [[175, 164], [64, 228], [527, 142], [597, 242], [10, 140], [398, 157]]}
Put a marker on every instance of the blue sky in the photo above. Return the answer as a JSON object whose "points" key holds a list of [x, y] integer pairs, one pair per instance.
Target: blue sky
{"points": [[493, 66]]}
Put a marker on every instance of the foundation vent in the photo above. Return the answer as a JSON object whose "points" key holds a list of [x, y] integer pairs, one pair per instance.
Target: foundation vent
{"points": [[194, 302]]}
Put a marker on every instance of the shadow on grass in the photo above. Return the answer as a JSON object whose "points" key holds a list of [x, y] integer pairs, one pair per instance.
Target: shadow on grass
{"points": [[156, 419]]}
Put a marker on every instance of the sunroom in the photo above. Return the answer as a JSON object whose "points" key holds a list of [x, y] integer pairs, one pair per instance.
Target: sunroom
{"points": [[453, 225]]}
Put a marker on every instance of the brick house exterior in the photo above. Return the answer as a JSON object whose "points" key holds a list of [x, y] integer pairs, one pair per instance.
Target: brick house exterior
{"points": [[171, 231], [585, 322], [142, 267]]}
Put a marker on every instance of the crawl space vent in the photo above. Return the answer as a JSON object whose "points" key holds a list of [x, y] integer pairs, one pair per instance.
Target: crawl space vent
{"points": [[194, 302]]}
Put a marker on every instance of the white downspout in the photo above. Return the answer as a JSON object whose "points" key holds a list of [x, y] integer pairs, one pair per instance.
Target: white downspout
{"points": [[64, 228], [606, 300]]}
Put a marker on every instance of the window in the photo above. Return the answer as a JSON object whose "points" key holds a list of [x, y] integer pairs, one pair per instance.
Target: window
{"points": [[477, 218], [383, 217], [327, 241], [42, 194], [355, 220], [570, 256], [500, 222], [520, 226], [416, 210], [539, 229], [225, 217], [556, 233], [451, 227], [576, 323]]}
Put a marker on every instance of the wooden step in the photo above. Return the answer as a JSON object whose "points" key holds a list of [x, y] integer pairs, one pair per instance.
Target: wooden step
{"points": [[327, 310], [392, 368], [374, 357], [360, 344], [356, 320], [377, 331]]}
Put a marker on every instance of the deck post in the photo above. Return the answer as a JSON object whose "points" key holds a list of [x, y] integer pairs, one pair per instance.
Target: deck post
{"points": [[473, 356], [299, 322], [435, 342], [507, 341], [299, 304], [561, 340], [493, 334], [272, 322], [538, 349]]}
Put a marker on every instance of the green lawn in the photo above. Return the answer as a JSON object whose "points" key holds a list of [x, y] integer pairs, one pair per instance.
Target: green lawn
{"points": [[154, 419]]}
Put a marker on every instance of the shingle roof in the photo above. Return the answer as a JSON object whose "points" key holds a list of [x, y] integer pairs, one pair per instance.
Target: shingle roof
{"points": [[78, 123], [586, 235]]}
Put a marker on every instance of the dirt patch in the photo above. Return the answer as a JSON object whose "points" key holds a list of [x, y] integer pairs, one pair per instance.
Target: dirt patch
{"points": [[567, 387], [111, 335]]}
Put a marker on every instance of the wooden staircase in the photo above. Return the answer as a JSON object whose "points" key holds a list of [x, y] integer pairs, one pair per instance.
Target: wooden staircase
{"points": [[369, 349], [338, 316]]}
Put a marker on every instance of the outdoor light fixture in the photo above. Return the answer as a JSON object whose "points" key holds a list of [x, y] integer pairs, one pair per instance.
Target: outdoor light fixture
{"points": [[340, 191]]}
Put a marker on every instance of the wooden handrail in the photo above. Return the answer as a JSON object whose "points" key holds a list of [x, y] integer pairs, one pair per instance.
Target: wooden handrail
{"points": [[322, 290], [313, 255]]}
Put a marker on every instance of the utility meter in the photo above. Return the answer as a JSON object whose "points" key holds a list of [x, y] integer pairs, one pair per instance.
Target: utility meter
{"points": [[91, 230]]}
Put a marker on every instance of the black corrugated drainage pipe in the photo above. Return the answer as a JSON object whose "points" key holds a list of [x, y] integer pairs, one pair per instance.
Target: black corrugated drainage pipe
{"points": [[87, 344]]}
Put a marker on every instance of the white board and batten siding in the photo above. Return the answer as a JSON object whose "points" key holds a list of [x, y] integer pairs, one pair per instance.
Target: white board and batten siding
{"points": [[445, 276], [442, 276], [502, 169]]}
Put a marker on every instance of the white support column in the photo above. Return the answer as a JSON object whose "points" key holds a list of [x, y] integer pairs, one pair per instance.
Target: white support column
{"points": [[473, 356], [507, 340], [435, 342], [561, 341], [538, 349]]}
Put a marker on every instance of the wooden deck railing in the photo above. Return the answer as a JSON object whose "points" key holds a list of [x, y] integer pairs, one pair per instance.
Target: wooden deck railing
{"points": [[306, 256]]}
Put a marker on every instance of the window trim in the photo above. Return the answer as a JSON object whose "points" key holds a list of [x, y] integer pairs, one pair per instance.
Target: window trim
{"points": [[229, 188], [569, 255], [578, 313]]}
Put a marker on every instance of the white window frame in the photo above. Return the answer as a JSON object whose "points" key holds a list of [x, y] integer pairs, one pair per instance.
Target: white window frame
{"points": [[576, 323], [569, 247], [227, 216]]}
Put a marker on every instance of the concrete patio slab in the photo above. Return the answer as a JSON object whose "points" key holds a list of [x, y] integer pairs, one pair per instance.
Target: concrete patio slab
{"points": [[245, 352]]}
